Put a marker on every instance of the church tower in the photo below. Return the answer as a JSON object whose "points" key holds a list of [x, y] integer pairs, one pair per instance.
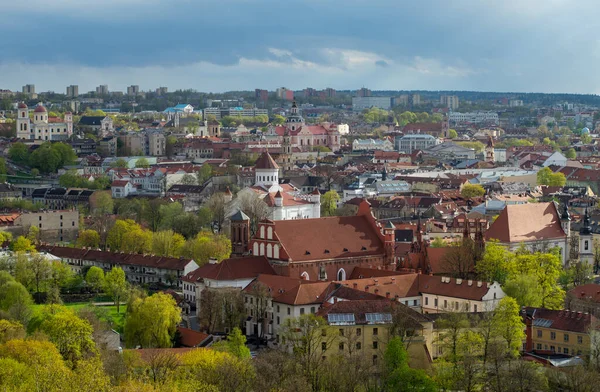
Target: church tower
{"points": [[294, 121], [586, 253], [266, 171], [286, 151], [23, 122], [565, 220], [240, 233], [490, 156]]}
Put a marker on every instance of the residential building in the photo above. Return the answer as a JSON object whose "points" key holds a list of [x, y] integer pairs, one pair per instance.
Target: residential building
{"points": [[363, 92], [54, 225], [325, 248], [191, 196], [514, 103], [538, 226], [366, 102], [261, 95], [9, 193], [72, 91], [182, 109], [59, 198], [133, 90], [235, 111], [162, 91], [449, 101], [556, 159], [559, 331], [584, 298], [363, 327], [411, 142], [28, 89], [432, 294], [41, 126], [285, 94], [102, 89], [435, 129], [122, 188], [107, 146], [138, 268]]}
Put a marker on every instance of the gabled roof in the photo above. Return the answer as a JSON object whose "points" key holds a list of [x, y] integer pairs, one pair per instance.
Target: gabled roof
{"points": [[328, 238], [265, 161], [563, 320], [248, 267], [91, 120], [526, 222], [190, 338], [239, 216]]}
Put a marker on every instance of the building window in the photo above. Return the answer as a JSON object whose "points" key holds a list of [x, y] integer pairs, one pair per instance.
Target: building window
{"points": [[323, 332], [375, 331], [539, 346], [312, 309], [445, 304], [358, 346], [374, 359], [552, 348], [358, 331], [552, 335], [586, 247], [539, 333], [414, 302], [375, 345], [341, 332], [301, 310], [566, 350], [341, 346], [426, 300], [323, 346], [277, 320], [435, 302], [289, 311], [566, 337], [579, 339], [475, 308]]}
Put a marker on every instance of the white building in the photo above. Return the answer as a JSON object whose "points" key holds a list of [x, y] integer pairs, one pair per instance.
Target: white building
{"points": [[361, 103], [411, 142], [473, 117], [556, 159], [42, 127], [372, 145]]}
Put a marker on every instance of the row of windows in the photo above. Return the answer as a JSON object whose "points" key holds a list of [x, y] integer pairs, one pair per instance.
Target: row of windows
{"points": [[341, 345], [558, 350], [454, 305], [540, 334]]}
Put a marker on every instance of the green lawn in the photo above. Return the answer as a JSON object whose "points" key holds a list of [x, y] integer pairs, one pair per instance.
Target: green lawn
{"points": [[107, 313]]}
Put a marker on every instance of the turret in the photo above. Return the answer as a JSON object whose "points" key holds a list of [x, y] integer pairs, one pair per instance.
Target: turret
{"points": [[278, 199], [315, 198], [565, 219], [586, 255]]}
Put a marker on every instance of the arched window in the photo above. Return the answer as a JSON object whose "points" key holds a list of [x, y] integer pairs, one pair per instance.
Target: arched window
{"points": [[341, 275], [275, 251], [304, 276], [255, 249], [269, 250], [270, 233], [262, 250], [262, 232]]}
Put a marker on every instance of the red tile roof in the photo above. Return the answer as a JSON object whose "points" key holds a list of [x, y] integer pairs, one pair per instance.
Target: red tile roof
{"points": [[563, 320], [328, 238], [265, 161], [248, 267], [190, 338], [526, 222], [361, 307], [588, 292]]}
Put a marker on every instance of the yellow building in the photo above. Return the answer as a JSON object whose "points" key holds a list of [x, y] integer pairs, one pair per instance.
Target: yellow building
{"points": [[558, 331], [364, 327]]}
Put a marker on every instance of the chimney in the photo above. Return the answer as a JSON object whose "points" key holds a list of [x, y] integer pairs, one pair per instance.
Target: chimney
{"points": [[458, 281], [469, 283], [479, 283], [355, 285], [212, 260], [387, 294]]}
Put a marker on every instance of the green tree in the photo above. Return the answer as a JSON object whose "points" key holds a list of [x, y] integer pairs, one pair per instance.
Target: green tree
{"points": [[497, 263], [204, 174], [235, 344], [398, 376], [207, 245], [477, 146], [71, 335], [509, 325], [88, 239], [525, 289], [142, 163], [116, 286], [571, 153], [545, 176], [438, 242], [452, 133], [152, 321], [167, 243], [278, 119], [472, 190], [22, 244], [329, 203], [586, 138], [95, 278], [188, 179], [19, 153]]}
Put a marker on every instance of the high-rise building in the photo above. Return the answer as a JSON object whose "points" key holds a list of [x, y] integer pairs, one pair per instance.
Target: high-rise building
{"points": [[261, 95], [72, 91], [162, 90], [133, 90], [363, 92], [284, 93], [329, 92], [361, 103], [415, 99], [102, 89], [310, 92], [29, 89], [449, 101]]}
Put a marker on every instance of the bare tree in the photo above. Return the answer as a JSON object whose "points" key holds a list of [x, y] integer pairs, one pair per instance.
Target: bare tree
{"points": [[256, 209], [217, 205], [260, 300], [460, 259]]}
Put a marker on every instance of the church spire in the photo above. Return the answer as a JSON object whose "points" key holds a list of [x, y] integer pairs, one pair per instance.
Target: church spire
{"points": [[586, 228]]}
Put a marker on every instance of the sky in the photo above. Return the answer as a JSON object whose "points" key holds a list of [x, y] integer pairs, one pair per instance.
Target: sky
{"points": [[224, 45]]}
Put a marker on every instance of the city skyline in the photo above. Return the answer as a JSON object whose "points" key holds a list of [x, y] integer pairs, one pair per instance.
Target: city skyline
{"points": [[427, 46]]}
